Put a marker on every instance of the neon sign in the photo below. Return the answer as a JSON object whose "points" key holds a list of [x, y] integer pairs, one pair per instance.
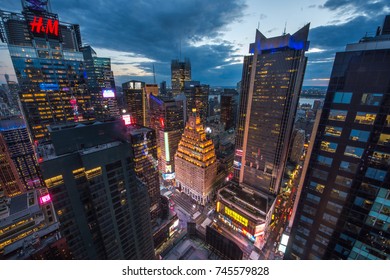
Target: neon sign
{"points": [[51, 27], [107, 93], [236, 216], [45, 199]]}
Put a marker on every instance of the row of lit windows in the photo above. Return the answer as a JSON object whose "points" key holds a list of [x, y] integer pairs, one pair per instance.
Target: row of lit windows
{"points": [[372, 99]]}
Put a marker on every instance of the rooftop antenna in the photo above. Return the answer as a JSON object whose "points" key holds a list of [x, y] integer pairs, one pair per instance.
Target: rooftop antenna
{"points": [[180, 50], [154, 75], [258, 25], [285, 25]]}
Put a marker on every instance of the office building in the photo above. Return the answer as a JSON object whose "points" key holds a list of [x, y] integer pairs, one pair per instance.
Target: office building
{"points": [[297, 145], [166, 117], [151, 89], [101, 84], [136, 101], [344, 204], [271, 83], [14, 136], [28, 225], [244, 210], [48, 64], [103, 208], [228, 108], [180, 73], [195, 162], [197, 97], [144, 147]]}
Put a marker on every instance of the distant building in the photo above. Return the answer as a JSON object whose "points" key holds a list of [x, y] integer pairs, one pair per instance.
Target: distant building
{"points": [[151, 89], [163, 88], [180, 73], [297, 145], [195, 162], [101, 84], [228, 108], [197, 97], [136, 101], [103, 208]]}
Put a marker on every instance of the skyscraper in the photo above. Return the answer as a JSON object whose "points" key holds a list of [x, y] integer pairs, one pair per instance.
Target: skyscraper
{"points": [[101, 84], [103, 208], [180, 73], [344, 206], [166, 117], [48, 64], [144, 147], [228, 108], [196, 162], [271, 83], [136, 101], [197, 97]]}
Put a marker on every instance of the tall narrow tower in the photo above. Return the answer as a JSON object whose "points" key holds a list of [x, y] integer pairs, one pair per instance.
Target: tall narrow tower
{"points": [[271, 83]]}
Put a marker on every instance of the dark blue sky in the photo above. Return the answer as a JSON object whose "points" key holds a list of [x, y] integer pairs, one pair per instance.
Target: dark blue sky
{"points": [[214, 34]]}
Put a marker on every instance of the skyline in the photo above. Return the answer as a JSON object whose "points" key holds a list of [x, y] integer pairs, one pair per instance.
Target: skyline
{"points": [[214, 38]]}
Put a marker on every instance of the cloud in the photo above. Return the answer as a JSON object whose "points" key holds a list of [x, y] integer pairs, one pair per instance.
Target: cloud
{"points": [[325, 41], [359, 7], [157, 31]]}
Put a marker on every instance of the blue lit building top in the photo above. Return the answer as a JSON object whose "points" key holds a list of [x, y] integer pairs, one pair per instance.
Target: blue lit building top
{"points": [[296, 41]]}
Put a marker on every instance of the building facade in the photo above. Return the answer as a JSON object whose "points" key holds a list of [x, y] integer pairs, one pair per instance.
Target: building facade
{"points": [[101, 84], [103, 208], [180, 73], [15, 137], [136, 101], [166, 117], [271, 83], [49, 67], [195, 162], [144, 146], [344, 206]]}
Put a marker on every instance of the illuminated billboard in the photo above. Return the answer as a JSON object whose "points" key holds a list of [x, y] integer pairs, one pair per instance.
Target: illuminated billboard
{"points": [[237, 217], [169, 176], [127, 119], [44, 199], [48, 86], [108, 93]]}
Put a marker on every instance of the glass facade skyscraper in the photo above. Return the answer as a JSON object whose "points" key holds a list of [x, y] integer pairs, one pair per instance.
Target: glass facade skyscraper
{"points": [[271, 83], [180, 73], [49, 66], [103, 208], [344, 206]]}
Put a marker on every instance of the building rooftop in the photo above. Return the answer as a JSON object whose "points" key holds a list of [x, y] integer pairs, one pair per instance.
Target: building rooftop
{"points": [[19, 206], [249, 200]]}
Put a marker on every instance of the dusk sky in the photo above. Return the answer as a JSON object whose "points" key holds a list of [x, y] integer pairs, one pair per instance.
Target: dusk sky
{"points": [[213, 34]]}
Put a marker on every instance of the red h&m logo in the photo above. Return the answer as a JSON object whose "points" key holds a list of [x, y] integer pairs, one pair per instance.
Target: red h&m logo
{"points": [[51, 27]]}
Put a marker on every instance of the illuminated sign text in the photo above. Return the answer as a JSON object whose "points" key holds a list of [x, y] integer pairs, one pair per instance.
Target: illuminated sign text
{"points": [[51, 27], [237, 217]]}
